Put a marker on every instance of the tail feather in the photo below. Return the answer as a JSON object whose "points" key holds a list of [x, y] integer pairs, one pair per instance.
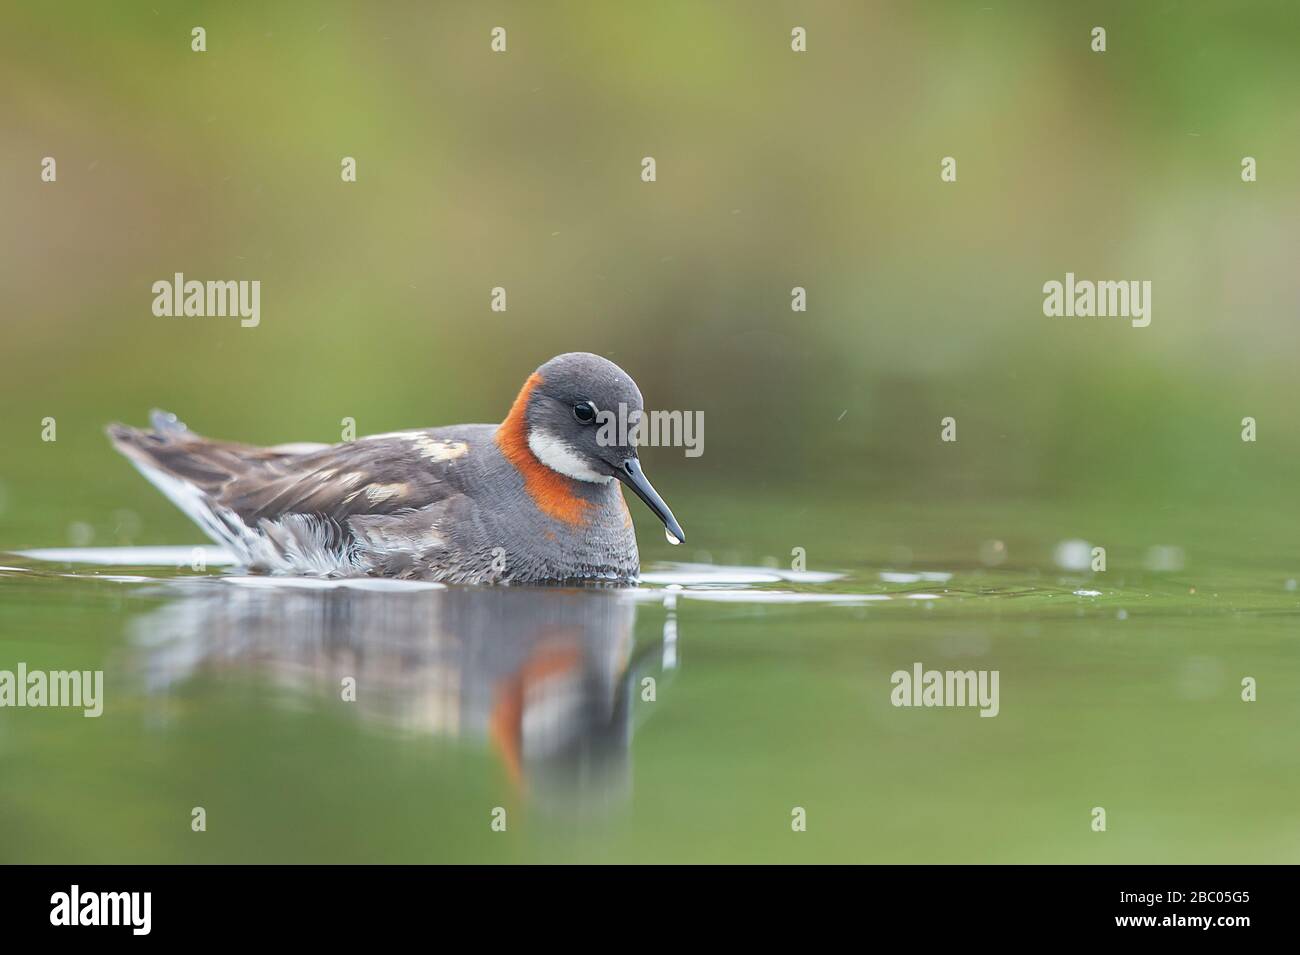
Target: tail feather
{"points": [[277, 507], [167, 458], [170, 451]]}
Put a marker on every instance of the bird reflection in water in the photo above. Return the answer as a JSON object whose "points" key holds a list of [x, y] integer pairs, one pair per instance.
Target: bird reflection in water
{"points": [[547, 677]]}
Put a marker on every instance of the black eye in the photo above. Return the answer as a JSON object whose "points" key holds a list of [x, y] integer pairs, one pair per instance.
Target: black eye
{"points": [[585, 412]]}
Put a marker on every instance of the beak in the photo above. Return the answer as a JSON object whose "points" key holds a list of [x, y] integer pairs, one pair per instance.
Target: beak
{"points": [[631, 475]]}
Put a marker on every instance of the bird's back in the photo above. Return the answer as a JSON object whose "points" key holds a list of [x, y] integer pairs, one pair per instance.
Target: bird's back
{"points": [[438, 503]]}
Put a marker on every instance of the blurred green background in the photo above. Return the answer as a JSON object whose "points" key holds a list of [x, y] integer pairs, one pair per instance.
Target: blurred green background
{"points": [[775, 170]]}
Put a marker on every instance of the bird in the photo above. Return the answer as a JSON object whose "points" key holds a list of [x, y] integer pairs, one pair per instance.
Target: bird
{"points": [[535, 499]]}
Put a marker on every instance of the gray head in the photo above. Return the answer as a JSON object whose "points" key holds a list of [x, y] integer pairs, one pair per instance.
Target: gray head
{"points": [[576, 414]]}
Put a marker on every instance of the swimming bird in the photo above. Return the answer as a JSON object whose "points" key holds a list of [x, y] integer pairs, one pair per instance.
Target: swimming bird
{"points": [[537, 498]]}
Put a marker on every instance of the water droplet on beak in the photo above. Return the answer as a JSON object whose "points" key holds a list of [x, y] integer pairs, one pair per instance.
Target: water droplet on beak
{"points": [[671, 538]]}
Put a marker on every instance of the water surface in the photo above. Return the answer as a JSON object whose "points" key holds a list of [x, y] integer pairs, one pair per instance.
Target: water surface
{"points": [[686, 719]]}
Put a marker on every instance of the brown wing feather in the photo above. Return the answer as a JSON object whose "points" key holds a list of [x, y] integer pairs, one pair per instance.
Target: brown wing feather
{"points": [[370, 476], [379, 475]]}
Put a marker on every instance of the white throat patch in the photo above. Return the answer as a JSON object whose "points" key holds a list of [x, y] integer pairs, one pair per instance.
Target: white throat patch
{"points": [[560, 457]]}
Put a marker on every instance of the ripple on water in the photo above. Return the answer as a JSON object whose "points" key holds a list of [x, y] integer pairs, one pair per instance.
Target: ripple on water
{"points": [[664, 583], [134, 556]]}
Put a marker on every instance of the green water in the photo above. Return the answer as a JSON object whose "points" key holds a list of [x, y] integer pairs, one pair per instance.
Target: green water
{"points": [[1118, 689]]}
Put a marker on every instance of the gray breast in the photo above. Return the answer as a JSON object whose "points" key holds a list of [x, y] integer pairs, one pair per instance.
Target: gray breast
{"points": [[485, 527]]}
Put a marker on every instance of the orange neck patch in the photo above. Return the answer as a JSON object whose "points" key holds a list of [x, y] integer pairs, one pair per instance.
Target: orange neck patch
{"points": [[554, 494]]}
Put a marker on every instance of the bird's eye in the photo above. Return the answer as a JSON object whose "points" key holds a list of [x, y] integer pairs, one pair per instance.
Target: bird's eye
{"points": [[585, 412]]}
